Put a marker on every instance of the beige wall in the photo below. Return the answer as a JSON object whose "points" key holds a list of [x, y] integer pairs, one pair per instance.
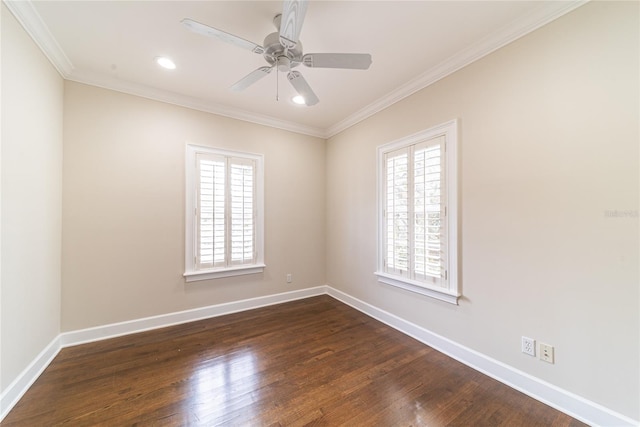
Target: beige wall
{"points": [[123, 207], [549, 138], [31, 194]]}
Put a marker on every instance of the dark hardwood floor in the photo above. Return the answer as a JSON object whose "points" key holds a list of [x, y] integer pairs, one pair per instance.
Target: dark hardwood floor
{"points": [[309, 362]]}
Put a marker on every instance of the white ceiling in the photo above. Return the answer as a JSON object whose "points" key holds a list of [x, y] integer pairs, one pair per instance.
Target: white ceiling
{"points": [[113, 44]]}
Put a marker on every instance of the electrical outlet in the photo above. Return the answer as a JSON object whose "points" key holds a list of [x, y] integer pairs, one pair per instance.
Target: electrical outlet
{"points": [[546, 353], [289, 278], [529, 346]]}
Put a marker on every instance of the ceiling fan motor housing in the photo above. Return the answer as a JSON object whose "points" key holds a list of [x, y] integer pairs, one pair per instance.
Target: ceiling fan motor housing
{"points": [[275, 52]]}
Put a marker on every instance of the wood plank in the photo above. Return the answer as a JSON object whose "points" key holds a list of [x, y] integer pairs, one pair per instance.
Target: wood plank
{"points": [[309, 362]]}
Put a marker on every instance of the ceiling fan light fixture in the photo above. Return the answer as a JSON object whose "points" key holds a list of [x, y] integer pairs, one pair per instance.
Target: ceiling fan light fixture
{"points": [[165, 62], [298, 100]]}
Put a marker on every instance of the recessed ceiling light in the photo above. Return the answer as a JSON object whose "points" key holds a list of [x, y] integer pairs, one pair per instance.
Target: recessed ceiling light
{"points": [[298, 99], [165, 62]]}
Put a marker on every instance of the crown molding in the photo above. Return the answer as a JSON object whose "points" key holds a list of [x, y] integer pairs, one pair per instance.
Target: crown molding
{"points": [[28, 17], [25, 13], [500, 38], [113, 83]]}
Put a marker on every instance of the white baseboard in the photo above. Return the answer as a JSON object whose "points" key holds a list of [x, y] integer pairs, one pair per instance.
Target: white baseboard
{"points": [[113, 330], [571, 404], [12, 394], [562, 400]]}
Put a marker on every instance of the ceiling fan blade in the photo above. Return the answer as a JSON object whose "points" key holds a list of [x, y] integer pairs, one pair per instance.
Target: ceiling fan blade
{"points": [[208, 31], [293, 12], [302, 87], [353, 61], [251, 78]]}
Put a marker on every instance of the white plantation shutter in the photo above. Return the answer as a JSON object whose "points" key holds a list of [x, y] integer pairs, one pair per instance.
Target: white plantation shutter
{"points": [[224, 235], [414, 211], [429, 231], [241, 210], [397, 211], [418, 212], [211, 211]]}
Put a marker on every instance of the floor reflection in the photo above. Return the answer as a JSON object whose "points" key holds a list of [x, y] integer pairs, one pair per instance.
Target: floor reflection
{"points": [[225, 388]]}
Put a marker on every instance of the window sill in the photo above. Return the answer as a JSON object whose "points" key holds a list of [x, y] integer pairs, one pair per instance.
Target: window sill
{"points": [[418, 287], [193, 276]]}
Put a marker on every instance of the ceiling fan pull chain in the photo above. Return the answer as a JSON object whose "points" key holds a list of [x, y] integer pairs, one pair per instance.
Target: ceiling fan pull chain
{"points": [[277, 81]]}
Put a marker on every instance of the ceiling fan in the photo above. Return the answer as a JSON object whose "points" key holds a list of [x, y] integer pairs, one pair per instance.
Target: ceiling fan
{"points": [[282, 50]]}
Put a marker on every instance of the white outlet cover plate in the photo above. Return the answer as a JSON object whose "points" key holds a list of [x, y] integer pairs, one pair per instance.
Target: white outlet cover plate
{"points": [[529, 346]]}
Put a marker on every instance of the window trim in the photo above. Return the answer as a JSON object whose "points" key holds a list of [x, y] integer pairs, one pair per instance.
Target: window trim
{"points": [[450, 294], [191, 273]]}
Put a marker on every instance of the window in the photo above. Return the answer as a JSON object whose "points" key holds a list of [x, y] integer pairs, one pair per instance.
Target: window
{"points": [[224, 215], [417, 213]]}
